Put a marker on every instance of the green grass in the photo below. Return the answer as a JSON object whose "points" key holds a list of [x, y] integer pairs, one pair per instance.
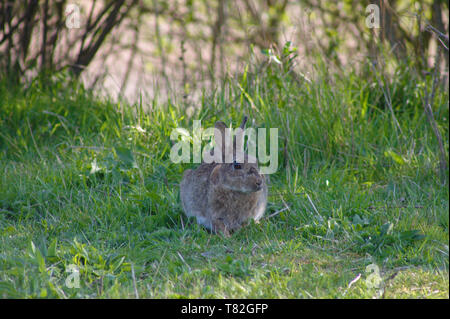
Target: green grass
{"points": [[81, 184]]}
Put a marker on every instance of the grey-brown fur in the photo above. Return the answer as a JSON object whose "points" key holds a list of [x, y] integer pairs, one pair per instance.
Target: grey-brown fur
{"points": [[222, 197]]}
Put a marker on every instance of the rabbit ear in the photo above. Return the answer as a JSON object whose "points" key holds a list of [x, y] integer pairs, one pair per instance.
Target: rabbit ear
{"points": [[238, 142], [219, 138], [244, 121], [214, 177]]}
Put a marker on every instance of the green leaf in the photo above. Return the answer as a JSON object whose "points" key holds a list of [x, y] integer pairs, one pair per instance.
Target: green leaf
{"points": [[117, 264], [33, 248], [43, 293], [39, 258], [51, 252], [412, 235], [126, 156], [394, 156], [9, 230]]}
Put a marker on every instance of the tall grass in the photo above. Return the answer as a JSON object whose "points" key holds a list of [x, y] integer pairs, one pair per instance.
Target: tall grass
{"points": [[87, 181]]}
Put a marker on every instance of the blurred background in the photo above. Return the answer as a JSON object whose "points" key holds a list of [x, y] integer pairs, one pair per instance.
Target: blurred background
{"points": [[134, 49], [91, 91]]}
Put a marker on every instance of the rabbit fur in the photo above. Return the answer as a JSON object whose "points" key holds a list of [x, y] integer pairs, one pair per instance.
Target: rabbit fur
{"points": [[224, 196]]}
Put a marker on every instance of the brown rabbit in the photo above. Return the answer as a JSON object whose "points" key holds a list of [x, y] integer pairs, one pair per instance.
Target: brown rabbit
{"points": [[224, 196]]}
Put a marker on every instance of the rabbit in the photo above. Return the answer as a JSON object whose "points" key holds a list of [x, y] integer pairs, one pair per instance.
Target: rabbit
{"points": [[224, 196]]}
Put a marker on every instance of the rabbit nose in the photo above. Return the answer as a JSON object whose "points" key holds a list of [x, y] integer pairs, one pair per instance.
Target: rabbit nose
{"points": [[258, 182]]}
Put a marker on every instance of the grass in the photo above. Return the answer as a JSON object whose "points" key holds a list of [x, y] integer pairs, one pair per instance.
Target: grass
{"points": [[88, 182]]}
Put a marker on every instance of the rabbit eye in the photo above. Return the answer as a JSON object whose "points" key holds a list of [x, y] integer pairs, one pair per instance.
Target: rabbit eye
{"points": [[236, 165]]}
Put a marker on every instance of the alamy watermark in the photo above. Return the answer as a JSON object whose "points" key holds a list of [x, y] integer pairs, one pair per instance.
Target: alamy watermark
{"points": [[256, 146], [374, 281], [72, 12], [373, 19], [73, 280]]}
